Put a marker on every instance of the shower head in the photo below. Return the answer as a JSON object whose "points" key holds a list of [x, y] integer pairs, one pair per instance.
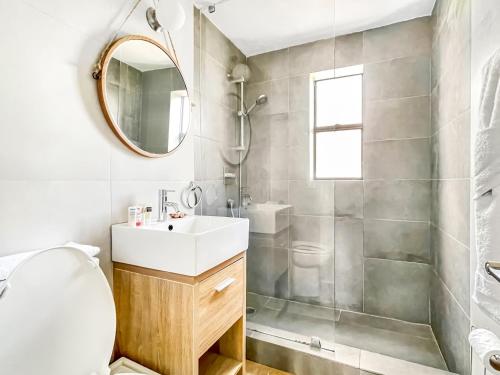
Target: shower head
{"points": [[261, 99]]}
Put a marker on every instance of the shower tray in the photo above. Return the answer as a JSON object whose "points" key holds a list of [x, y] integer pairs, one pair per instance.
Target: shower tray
{"points": [[348, 341]]}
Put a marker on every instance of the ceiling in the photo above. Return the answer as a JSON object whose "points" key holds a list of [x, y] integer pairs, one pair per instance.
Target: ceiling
{"points": [[143, 56], [258, 26]]}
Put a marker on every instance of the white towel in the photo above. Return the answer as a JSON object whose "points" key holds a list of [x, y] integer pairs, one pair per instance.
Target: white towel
{"points": [[487, 189], [487, 142], [91, 251]]}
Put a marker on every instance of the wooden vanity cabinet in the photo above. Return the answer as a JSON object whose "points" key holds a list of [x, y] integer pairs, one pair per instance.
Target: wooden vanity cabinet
{"points": [[182, 325]]}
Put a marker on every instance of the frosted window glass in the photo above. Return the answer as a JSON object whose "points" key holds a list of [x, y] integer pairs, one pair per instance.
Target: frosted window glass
{"points": [[339, 101], [338, 154]]}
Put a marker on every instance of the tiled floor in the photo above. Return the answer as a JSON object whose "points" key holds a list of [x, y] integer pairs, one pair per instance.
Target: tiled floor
{"points": [[407, 341]]}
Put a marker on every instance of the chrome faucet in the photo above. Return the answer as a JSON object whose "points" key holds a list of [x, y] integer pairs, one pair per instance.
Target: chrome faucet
{"points": [[164, 204]]}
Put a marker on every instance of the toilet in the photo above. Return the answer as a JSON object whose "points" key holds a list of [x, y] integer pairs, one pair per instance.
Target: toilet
{"points": [[308, 263], [57, 316]]}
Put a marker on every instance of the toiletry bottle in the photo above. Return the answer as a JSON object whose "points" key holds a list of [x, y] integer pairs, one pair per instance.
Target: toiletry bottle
{"points": [[132, 216], [140, 216], [148, 215]]}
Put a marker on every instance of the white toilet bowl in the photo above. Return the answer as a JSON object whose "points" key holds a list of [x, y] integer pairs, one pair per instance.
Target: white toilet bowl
{"points": [[57, 317], [308, 261]]}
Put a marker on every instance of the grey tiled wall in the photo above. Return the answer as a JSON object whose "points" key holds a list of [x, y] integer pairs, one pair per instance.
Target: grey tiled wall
{"points": [[450, 142], [214, 116], [380, 224]]}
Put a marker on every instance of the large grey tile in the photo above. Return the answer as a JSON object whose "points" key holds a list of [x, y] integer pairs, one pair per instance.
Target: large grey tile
{"points": [[403, 200], [451, 35], [451, 261], [388, 365], [299, 93], [312, 197], [277, 94], [409, 38], [451, 149], [212, 160], [435, 97], [268, 66], [397, 240], [451, 327], [398, 78], [313, 229], [216, 120], [299, 163], [267, 271], [312, 57], [451, 208], [298, 128], [276, 240], [405, 159], [397, 118], [279, 163], [414, 330], [261, 130], [279, 129], [279, 191], [454, 89], [348, 50], [258, 173], [195, 119], [397, 289], [217, 88], [349, 197], [397, 345], [348, 264]]}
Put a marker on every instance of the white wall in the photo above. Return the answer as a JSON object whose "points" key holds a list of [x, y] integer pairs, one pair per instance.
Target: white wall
{"points": [[485, 41], [63, 174]]}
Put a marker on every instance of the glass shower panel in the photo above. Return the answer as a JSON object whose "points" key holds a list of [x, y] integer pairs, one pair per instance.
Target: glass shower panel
{"points": [[290, 259], [291, 267]]}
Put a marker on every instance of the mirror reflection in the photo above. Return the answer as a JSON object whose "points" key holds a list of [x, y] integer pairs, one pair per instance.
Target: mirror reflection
{"points": [[147, 97]]}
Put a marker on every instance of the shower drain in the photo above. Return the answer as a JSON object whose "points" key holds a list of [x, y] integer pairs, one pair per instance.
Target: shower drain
{"points": [[251, 310]]}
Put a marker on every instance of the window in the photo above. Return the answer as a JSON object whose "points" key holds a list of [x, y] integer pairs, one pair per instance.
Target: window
{"points": [[338, 123], [180, 110]]}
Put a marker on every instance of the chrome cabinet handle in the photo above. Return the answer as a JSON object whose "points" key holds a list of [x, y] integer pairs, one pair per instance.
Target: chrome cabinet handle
{"points": [[223, 285], [490, 266]]}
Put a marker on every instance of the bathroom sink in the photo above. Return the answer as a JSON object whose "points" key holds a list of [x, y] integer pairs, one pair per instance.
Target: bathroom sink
{"points": [[187, 246], [267, 218]]}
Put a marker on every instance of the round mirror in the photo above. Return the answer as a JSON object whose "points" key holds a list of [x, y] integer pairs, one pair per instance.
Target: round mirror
{"points": [[143, 96]]}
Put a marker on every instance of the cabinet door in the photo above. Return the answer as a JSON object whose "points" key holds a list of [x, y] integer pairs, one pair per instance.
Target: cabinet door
{"points": [[221, 299]]}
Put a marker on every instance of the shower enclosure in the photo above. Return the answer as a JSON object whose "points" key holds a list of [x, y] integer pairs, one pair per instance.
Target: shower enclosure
{"points": [[340, 262], [290, 273]]}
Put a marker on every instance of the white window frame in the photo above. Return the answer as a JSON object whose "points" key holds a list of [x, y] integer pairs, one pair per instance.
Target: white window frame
{"points": [[355, 70]]}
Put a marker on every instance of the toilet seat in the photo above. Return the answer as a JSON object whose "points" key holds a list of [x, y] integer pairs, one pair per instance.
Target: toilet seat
{"points": [[57, 316]]}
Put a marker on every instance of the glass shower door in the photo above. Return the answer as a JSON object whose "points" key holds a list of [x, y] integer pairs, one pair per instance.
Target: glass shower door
{"points": [[290, 272]]}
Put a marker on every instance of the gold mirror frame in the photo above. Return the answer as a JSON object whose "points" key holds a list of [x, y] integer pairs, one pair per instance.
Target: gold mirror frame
{"points": [[101, 91]]}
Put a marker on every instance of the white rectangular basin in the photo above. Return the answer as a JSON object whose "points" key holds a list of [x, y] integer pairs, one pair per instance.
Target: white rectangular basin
{"points": [[267, 218], [188, 246]]}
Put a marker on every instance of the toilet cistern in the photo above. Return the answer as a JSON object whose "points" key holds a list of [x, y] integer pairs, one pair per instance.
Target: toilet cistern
{"points": [[164, 204]]}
